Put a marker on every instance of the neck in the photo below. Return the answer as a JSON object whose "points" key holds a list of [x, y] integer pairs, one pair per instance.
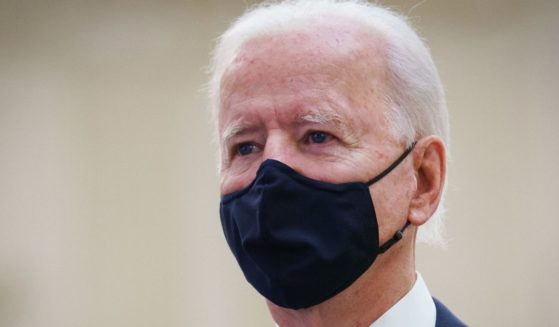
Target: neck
{"points": [[390, 277]]}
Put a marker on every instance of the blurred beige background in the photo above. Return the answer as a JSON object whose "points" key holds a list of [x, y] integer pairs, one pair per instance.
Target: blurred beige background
{"points": [[108, 192]]}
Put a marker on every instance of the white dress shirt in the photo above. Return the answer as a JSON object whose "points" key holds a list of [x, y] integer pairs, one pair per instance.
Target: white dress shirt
{"points": [[415, 309]]}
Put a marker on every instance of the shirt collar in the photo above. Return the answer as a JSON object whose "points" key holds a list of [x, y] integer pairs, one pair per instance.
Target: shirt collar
{"points": [[416, 308]]}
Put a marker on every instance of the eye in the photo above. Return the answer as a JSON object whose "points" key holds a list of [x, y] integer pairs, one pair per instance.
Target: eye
{"points": [[319, 137], [244, 149]]}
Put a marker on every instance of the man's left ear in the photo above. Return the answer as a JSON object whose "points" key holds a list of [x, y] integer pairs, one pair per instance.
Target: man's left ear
{"points": [[429, 162]]}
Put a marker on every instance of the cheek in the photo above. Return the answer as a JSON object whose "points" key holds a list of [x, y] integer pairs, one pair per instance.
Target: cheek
{"points": [[231, 180], [230, 185], [391, 199]]}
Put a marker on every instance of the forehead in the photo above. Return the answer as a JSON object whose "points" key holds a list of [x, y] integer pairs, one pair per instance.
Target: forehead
{"points": [[337, 42], [341, 57]]}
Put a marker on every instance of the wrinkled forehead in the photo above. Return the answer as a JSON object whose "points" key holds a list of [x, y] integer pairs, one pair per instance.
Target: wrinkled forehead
{"points": [[343, 50]]}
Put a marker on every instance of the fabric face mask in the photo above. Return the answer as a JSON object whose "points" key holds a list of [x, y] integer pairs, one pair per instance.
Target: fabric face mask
{"points": [[300, 241]]}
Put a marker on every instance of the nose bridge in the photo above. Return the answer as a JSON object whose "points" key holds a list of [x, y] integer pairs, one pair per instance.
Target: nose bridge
{"points": [[279, 147]]}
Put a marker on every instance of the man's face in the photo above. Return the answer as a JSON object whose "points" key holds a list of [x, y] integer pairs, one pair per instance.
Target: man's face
{"points": [[314, 101]]}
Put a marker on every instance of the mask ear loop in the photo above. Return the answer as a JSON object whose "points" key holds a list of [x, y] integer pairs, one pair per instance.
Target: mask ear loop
{"points": [[393, 165], [399, 234]]}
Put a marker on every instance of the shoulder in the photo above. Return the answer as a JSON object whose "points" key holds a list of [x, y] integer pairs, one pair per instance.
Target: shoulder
{"points": [[445, 318]]}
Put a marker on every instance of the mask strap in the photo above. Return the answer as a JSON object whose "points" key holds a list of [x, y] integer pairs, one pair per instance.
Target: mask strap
{"points": [[393, 165], [397, 236]]}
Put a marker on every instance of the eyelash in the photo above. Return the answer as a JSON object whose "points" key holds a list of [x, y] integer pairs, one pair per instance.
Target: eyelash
{"points": [[307, 139], [238, 148], [327, 137]]}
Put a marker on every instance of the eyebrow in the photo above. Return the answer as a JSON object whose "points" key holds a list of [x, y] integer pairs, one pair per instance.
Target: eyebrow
{"points": [[328, 117], [235, 129], [318, 116]]}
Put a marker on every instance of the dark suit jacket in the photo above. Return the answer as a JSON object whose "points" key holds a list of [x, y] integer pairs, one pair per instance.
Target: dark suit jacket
{"points": [[445, 318]]}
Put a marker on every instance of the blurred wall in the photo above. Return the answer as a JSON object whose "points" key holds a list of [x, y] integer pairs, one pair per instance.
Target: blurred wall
{"points": [[108, 187]]}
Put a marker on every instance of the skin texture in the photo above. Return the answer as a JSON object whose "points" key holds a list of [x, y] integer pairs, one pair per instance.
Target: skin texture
{"points": [[277, 94]]}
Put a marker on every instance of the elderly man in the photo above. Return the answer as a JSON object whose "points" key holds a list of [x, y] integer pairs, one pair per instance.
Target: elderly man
{"points": [[332, 127]]}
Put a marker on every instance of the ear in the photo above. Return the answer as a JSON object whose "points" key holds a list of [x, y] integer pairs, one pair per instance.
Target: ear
{"points": [[430, 171]]}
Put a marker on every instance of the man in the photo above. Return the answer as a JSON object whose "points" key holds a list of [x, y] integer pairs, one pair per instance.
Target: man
{"points": [[332, 127]]}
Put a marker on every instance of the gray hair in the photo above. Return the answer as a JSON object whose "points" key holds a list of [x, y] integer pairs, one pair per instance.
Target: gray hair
{"points": [[416, 100]]}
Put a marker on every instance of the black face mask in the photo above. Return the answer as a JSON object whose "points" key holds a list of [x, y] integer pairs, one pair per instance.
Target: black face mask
{"points": [[300, 241]]}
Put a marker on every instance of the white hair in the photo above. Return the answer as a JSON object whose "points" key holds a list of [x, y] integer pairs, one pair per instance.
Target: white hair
{"points": [[416, 100]]}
